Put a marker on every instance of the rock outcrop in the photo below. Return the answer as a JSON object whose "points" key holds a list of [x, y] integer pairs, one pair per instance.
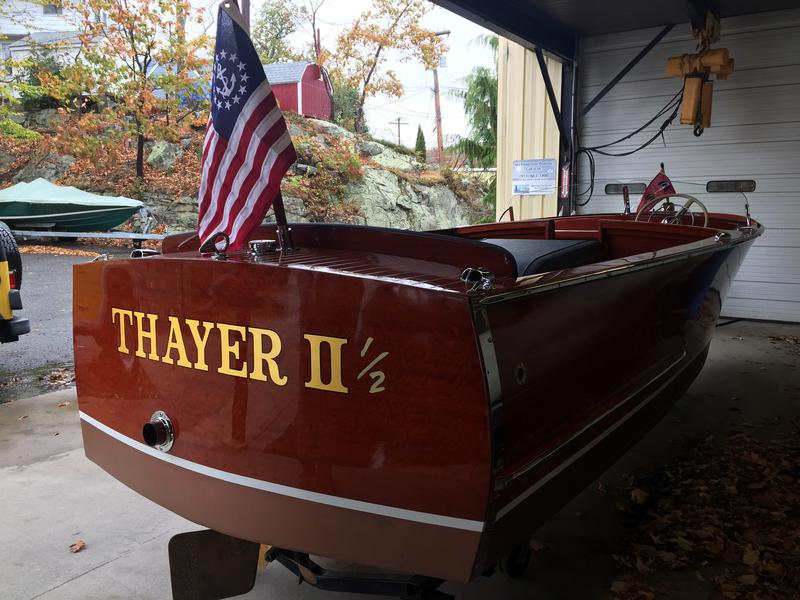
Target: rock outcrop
{"points": [[51, 167], [163, 155], [178, 214], [341, 176]]}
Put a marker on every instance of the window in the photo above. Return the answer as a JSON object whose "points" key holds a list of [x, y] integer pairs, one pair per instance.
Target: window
{"points": [[51, 9]]}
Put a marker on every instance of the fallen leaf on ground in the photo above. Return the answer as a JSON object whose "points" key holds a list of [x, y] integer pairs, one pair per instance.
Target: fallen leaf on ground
{"points": [[639, 496], [63, 404], [22, 418], [77, 546], [748, 579], [59, 377], [620, 587], [39, 249], [731, 506], [699, 576], [684, 544], [730, 590], [750, 557]]}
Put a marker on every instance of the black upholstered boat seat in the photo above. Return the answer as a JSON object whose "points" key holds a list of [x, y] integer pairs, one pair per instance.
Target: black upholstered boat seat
{"points": [[540, 256]]}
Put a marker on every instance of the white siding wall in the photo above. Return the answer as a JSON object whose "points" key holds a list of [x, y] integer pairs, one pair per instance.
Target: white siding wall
{"points": [[27, 17], [755, 134]]}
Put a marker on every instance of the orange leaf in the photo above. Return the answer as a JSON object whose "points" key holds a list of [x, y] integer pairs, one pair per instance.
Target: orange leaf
{"points": [[77, 546]]}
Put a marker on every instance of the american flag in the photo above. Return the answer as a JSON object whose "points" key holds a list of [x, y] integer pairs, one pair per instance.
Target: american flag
{"points": [[247, 148]]}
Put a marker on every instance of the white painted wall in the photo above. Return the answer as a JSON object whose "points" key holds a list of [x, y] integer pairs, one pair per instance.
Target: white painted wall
{"points": [[755, 134], [22, 17]]}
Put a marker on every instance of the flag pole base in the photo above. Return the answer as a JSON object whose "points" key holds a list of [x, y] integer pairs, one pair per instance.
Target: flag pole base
{"points": [[285, 238]]}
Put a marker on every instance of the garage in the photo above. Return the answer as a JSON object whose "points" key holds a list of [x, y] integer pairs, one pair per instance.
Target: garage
{"points": [[755, 135], [541, 413], [613, 57]]}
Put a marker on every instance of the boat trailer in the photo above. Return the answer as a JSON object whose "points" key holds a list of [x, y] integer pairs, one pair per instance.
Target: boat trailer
{"points": [[208, 565], [135, 238]]}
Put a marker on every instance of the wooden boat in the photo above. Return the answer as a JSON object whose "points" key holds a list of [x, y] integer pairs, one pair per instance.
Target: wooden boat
{"points": [[44, 205], [417, 402]]}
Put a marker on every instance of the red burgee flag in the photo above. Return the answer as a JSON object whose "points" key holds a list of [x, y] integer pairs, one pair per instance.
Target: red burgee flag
{"points": [[659, 185], [247, 148]]}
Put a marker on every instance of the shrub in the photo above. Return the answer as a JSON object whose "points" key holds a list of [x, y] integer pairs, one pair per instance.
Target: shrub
{"points": [[396, 147], [34, 97], [16, 131]]}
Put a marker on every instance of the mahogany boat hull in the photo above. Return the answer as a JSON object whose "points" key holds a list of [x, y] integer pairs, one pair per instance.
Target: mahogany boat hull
{"points": [[355, 400]]}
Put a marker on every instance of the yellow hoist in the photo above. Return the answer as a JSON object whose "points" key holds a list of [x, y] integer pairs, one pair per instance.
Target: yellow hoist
{"points": [[697, 69]]}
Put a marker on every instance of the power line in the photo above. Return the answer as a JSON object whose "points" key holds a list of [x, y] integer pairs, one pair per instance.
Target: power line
{"points": [[398, 121]]}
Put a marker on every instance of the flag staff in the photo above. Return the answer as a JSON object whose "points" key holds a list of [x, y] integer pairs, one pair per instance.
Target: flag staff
{"points": [[283, 231], [249, 138]]}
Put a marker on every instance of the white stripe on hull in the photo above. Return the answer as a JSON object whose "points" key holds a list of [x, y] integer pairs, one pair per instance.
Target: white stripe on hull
{"points": [[284, 490]]}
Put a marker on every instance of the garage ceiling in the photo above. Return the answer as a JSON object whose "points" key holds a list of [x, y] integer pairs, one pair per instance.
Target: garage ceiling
{"points": [[554, 25]]}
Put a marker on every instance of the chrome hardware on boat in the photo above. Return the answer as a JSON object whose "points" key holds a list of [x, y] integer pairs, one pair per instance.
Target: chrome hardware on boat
{"points": [[671, 215], [210, 245], [101, 257], [262, 247], [284, 238], [748, 230], [478, 278], [144, 252], [158, 433], [722, 237]]}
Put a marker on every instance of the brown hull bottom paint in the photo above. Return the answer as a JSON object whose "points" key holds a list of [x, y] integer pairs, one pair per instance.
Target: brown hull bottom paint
{"points": [[288, 522], [355, 399]]}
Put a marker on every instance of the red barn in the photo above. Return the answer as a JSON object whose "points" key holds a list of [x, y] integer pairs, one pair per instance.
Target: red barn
{"points": [[301, 87]]}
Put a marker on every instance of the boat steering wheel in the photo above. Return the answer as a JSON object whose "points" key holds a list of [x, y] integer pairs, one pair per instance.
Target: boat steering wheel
{"points": [[672, 213]]}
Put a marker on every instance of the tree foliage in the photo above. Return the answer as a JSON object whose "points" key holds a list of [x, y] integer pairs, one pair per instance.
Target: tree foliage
{"points": [[275, 22], [420, 148], [480, 106], [345, 104], [138, 72], [390, 26]]}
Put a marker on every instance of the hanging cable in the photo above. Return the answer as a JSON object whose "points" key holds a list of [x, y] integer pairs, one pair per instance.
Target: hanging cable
{"points": [[673, 102], [673, 105], [657, 135], [590, 188]]}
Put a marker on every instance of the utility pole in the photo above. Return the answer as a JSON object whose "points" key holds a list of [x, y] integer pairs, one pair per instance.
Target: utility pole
{"points": [[398, 121], [439, 136]]}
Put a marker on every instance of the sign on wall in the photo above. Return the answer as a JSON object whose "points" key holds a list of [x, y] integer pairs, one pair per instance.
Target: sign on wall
{"points": [[534, 177]]}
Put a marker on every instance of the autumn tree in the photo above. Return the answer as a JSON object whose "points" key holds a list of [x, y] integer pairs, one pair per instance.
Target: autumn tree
{"points": [[275, 22], [139, 71], [389, 27], [345, 104]]}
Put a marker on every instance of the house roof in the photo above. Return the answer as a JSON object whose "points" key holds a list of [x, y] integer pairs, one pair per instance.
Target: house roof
{"points": [[45, 37], [290, 72]]}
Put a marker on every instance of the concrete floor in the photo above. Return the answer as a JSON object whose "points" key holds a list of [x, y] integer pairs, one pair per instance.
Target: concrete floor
{"points": [[51, 495]]}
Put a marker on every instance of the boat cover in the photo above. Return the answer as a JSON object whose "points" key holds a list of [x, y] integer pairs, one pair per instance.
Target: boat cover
{"points": [[41, 191]]}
